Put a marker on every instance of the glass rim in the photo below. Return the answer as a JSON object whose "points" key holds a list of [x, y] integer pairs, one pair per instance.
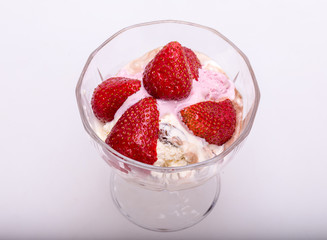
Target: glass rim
{"points": [[136, 163]]}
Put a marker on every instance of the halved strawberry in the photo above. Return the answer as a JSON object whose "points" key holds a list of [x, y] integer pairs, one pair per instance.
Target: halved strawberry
{"points": [[110, 95], [136, 133], [167, 76], [213, 121], [193, 61]]}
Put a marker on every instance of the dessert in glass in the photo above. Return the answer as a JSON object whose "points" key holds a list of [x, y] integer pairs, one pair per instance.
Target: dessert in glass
{"points": [[167, 104]]}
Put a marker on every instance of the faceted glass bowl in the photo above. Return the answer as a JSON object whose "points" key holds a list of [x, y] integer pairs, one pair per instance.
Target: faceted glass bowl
{"points": [[165, 198]]}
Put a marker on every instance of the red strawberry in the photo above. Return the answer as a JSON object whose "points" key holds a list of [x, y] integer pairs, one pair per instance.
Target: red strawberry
{"points": [[167, 76], [193, 61], [213, 121], [110, 95], [136, 133]]}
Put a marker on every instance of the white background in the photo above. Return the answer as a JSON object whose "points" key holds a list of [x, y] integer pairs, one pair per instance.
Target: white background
{"points": [[53, 184]]}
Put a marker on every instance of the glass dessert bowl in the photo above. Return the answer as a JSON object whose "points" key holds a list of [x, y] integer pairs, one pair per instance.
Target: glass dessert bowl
{"points": [[176, 197]]}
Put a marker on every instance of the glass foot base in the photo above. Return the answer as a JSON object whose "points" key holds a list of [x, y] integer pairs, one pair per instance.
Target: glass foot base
{"points": [[165, 210]]}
